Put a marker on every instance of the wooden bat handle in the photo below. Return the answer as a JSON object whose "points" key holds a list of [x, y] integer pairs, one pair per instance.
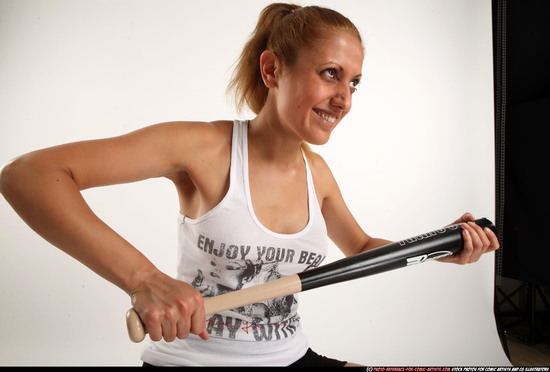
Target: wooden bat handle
{"points": [[136, 328], [276, 288]]}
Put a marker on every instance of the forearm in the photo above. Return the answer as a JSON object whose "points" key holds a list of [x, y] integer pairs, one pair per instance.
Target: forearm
{"points": [[49, 201], [372, 243]]}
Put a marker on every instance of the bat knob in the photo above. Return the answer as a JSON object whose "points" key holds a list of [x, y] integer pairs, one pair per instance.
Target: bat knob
{"points": [[136, 328]]}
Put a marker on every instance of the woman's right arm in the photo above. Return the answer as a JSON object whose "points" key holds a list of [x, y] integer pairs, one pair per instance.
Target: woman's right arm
{"points": [[44, 188]]}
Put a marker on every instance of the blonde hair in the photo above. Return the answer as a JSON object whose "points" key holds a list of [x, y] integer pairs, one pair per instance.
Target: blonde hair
{"points": [[283, 29]]}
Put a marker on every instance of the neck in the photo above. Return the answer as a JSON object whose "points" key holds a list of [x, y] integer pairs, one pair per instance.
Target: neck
{"points": [[270, 140]]}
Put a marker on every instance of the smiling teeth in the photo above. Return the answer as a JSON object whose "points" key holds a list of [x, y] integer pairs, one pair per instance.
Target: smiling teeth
{"points": [[327, 117]]}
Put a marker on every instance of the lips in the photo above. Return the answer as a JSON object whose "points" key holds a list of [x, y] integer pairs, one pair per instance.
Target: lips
{"points": [[330, 117]]}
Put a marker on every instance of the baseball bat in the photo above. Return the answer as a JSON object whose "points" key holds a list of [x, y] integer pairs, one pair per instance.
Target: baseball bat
{"points": [[421, 248]]}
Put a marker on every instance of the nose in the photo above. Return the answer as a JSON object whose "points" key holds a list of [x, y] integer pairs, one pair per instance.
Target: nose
{"points": [[342, 97]]}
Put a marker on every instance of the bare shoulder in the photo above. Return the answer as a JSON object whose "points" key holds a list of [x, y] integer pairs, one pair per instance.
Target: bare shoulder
{"points": [[207, 138], [210, 130], [324, 181], [187, 140], [202, 159], [194, 132], [198, 147], [316, 161], [319, 166]]}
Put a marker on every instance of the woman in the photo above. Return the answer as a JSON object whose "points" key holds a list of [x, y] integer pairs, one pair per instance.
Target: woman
{"points": [[254, 199]]}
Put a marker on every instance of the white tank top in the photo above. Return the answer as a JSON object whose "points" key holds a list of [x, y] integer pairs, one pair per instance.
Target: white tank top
{"points": [[227, 249]]}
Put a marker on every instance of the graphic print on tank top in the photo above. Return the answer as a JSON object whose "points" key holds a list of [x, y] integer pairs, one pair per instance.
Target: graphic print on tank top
{"points": [[249, 272], [267, 319]]}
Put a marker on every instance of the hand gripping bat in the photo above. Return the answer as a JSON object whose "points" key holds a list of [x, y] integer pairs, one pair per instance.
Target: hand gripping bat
{"points": [[414, 250]]}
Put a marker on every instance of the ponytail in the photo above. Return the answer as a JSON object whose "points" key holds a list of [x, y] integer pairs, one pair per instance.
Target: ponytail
{"points": [[247, 81]]}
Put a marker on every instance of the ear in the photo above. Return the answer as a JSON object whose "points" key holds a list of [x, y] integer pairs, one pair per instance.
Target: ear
{"points": [[270, 68]]}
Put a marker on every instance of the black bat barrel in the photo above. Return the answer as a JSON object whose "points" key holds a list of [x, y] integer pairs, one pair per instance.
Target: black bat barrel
{"points": [[418, 249]]}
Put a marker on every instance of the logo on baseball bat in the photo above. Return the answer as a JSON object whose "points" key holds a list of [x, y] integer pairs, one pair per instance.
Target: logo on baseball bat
{"points": [[427, 257]]}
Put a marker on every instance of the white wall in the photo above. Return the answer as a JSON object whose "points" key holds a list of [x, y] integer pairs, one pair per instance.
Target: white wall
{"points": [[414, 154]]}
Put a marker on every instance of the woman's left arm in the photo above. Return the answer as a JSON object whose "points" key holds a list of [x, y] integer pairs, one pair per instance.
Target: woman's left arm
{"points": [[346, 233]]}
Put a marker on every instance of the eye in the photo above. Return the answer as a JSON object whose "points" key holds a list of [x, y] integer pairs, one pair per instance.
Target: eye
{"points": [[330, 73], [354, 84]]}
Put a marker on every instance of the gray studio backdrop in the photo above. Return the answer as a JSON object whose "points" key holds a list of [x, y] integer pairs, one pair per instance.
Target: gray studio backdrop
{"points": [[413, 155]]}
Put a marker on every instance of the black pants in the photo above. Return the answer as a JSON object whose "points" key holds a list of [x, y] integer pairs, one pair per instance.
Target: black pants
{"points": [[310, 359]]}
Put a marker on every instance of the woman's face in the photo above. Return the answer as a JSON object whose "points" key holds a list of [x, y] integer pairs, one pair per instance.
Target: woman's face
{"points": [[314, 94]]}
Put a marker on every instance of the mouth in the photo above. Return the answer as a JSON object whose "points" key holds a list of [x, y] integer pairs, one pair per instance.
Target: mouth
{"points": [[328, 118]]}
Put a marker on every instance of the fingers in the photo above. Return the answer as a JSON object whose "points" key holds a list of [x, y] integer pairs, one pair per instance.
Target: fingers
{"points": [[493, 239], [171, 314], [198, 321], [169, 325], [152, 321], [481, 242], [182, 330], [477, 241], [171, 322], [195, 317], [464, 218]]}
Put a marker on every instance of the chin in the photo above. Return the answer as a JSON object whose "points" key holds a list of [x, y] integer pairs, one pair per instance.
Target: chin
{"points": [[318, 141]]}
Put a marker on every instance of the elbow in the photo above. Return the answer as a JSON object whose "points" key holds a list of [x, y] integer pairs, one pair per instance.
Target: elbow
{"points": [[18, 174], [5, 177], [9, 176], [31, 176]]}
